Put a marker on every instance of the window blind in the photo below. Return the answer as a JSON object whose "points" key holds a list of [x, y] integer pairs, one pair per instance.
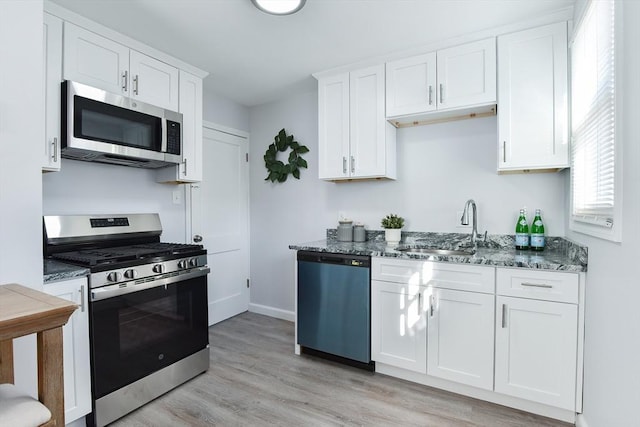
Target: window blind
{"points": [[593, 116]]}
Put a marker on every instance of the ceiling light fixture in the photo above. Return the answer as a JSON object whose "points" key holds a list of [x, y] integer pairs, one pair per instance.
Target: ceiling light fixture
{"points": [[279, 7]]}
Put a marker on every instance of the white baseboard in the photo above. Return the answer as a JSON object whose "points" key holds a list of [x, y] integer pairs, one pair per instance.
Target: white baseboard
{"points": [[580, 421], [273, 312]]}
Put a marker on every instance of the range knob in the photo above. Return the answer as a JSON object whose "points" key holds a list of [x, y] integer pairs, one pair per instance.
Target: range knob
{"points": [[183, 264], [114, 276], [158, 268], [193, 262], [130, 274]]}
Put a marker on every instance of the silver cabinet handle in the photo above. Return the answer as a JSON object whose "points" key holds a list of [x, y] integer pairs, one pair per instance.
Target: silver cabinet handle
{"points": [[344, 165], [537, 285], [135, 84], [353, 164], [54, 149], [82, 299], [125, 75], [441, 94], [504, 151], [430, 95], [184, 171], [431, 303], [419, 304], [504, 315], [197, 238]]}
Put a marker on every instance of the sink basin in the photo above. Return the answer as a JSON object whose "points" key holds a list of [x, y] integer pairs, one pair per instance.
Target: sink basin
{"points": [[433, 251]]}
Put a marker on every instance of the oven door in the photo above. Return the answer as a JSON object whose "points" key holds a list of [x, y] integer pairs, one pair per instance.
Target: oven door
{"points": [[138, 333]]}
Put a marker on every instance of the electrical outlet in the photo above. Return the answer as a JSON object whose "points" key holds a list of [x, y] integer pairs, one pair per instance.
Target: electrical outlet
{"points": [[177, 197], [459, 225]]}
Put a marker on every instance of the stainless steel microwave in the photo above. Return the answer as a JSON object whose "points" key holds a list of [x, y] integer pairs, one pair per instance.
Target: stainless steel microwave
{"points": [[99, 126]]}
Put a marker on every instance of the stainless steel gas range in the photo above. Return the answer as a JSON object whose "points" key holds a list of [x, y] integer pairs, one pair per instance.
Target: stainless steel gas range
{"points": [[147, 306]]}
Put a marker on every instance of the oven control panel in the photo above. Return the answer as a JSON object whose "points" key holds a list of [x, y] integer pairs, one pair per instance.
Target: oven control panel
{"points": [[146, 272]]}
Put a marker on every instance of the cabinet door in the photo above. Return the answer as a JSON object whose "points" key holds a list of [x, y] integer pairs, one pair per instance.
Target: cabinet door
{"points": [[153, 81], [411, 85], [52, 79], [398, 325], [367, 123], [460, 337], [467, 74], [536, 350], [190, 170], [533, 118], [77, 379], [95, 60], [333, 127]]}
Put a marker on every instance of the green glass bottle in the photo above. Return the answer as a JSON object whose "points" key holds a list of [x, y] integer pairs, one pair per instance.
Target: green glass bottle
{"points": [[537, 233], [522, 232]]}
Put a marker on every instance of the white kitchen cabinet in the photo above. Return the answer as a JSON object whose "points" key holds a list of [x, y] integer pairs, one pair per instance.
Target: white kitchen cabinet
{"points": [[77, 370], [97, 61], [153, 81], [536, 350], [537, 336], [52, 50], [459, 77], [411, 85], [533, 122], [460, 337], [190, 170], [435, 318], [399, 325], [355, 141]]}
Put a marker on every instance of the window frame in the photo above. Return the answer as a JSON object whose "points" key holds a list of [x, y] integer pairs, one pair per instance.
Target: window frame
{"points": [[613, 233]]}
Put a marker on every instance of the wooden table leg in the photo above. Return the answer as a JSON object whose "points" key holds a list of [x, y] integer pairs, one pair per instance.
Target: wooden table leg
{"points": [[50, 374], [6, 361]]}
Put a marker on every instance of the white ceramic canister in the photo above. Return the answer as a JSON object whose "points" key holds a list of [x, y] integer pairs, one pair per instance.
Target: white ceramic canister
{"points": [[359, 233]]}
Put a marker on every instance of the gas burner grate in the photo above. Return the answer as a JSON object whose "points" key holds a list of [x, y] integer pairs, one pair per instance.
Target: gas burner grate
{"points": [[107, 256]]}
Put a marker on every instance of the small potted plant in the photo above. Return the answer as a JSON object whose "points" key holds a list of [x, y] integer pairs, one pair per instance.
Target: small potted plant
{"points": [[392, 224]]}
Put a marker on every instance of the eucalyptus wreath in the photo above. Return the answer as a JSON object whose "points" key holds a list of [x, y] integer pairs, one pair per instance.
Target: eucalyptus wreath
{"points": [[278, 171]]}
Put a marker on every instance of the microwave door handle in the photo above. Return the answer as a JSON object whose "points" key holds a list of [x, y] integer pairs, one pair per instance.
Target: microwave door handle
{"points": [[163, 148]]}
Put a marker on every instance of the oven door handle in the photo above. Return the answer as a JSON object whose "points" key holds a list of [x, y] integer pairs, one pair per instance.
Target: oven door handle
{"points": [[124, 288]]}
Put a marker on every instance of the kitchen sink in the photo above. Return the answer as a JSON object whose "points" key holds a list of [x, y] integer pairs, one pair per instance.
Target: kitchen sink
{"points": [[434, 251]]}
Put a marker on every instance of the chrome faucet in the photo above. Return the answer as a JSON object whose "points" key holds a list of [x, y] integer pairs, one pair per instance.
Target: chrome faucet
{"points": [[464, 220]]}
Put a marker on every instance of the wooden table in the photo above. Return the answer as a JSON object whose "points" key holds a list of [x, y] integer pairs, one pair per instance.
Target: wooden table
{"points": [[25, 311]]}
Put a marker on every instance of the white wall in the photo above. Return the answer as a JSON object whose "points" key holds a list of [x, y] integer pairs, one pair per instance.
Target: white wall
{"points": [[95, 188], [612, 331], [21, 138], [440, 167], [220, 110]]}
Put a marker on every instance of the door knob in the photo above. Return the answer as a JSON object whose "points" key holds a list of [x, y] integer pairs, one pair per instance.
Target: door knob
{"points": [[197, 238]]}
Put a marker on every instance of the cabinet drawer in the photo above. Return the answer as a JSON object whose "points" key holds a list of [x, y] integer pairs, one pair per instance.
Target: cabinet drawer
{"points": [[542, 285], [436, 274]]}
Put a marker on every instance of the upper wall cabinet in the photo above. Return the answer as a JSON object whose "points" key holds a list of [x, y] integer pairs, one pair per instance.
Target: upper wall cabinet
{"points": [[52, 77], [355, 141], [190, 170], [100, 62], [450, 79], [532, 95]]}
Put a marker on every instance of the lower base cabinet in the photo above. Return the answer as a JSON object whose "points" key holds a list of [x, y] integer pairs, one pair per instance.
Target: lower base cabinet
{"points": [[536, 349], [75, 335], [398, 325], [507, 332], [460, 337]]}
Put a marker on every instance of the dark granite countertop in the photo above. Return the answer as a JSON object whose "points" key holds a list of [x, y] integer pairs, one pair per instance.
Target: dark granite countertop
{"points": [[55, 271], [559, 254]]}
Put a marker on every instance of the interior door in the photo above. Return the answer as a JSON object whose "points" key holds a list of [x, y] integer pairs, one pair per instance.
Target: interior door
{"points": [[220, 216]]}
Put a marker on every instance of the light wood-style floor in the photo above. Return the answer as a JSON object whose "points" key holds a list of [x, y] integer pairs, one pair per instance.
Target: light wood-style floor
{"points": [[255, 379]]}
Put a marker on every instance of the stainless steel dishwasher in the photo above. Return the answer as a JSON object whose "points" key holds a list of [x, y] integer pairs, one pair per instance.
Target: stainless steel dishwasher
{"points": [[334, 306]]}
